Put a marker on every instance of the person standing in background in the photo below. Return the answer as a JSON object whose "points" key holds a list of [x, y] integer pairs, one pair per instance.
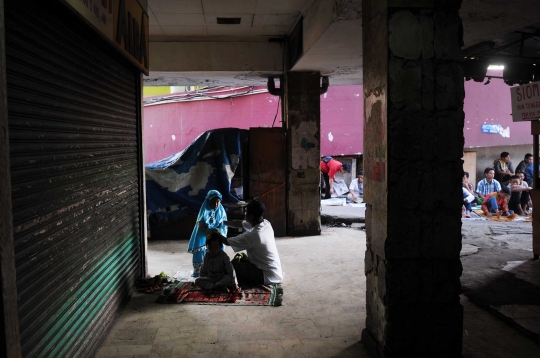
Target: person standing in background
{"points": [[329, 168]]}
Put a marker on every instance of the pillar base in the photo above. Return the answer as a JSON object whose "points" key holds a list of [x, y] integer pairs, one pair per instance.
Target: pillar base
{"points": [[375, 350]]}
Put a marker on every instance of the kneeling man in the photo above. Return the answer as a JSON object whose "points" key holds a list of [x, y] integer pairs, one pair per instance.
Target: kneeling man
{"points": [[263, 266]]}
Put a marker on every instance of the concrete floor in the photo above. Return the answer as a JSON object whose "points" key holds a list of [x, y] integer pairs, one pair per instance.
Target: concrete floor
{"points": [[499, 273], [322, 316], [342, 214]]}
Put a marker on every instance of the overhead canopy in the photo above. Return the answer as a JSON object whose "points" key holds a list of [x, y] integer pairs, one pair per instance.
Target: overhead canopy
{"points": [[176, 186]]}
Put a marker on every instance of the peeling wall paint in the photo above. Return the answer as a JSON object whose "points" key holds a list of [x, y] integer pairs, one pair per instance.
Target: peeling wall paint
{"points": [[303, 114], [305, 159], [375, 157]]}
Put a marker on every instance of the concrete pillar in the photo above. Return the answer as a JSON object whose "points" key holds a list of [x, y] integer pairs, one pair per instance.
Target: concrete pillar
{"points": [[303, 115], [413, 143]]}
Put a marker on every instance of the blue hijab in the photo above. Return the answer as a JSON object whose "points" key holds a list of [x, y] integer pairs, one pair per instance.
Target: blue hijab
{"points": [[213, 218]]}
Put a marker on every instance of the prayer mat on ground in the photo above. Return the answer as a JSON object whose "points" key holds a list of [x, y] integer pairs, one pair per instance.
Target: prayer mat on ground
{"points": [[513, 217], [187, 292]]}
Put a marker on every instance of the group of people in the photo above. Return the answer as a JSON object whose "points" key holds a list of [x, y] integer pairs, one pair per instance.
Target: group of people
{"points": [[504, 169], [330, 168], [261, 265], [503, 191], [213, 268]]}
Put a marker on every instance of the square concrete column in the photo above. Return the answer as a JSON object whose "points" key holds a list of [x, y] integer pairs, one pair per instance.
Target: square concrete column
{"points": [[303, 115], [413, 143]]}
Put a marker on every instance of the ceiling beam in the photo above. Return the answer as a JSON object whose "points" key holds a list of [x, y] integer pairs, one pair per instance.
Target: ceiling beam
{"points": [[216, 56]]}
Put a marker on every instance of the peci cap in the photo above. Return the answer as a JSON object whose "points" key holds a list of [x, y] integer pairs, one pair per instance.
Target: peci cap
{"points": [[347, 167]]}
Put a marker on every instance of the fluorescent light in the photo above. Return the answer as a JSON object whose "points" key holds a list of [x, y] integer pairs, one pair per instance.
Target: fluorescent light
{"points": [[496, 67]]}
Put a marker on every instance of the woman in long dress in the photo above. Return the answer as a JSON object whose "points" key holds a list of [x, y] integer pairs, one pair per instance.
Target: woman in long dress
{"points": [[211, 217]]}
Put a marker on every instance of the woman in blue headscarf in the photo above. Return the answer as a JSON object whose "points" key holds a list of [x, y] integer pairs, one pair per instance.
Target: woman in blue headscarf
{"points": [[211, 217]]}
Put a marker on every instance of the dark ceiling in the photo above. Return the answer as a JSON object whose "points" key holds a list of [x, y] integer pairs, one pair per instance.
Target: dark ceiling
{"points": [[521, 46], [518, 51]]}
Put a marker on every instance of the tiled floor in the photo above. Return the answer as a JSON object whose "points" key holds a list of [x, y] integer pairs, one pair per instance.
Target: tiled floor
{"points": [[322, 316]]}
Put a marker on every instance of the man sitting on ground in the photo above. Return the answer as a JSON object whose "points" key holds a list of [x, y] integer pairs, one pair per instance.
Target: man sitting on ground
{"points": [[470, 188], [263, 265], [329, 168], [487, 185], [468, 197], [356, 189], [524, 183], [519, 195], [503, 168], [497, 203], [529, 174], [526, 162]]}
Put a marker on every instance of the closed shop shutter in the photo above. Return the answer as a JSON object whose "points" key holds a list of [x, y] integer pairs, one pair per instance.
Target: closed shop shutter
{"points": [[74, 136]]}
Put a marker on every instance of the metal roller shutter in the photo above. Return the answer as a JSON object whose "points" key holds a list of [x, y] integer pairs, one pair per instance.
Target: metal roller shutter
{"points": [[74, 134]]}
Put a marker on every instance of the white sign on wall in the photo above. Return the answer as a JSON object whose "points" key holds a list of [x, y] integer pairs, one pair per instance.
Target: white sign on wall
{"points": [[526, 102]]}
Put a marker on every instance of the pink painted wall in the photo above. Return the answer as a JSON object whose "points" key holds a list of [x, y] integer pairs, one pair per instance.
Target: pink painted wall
{"points": [[490, 104], [341, 119], [341, 116], [342, 131], [170, 128]]}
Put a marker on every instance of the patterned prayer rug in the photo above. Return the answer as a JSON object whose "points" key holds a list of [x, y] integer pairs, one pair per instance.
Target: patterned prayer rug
{"points": [[513, 217], [187, 292]]}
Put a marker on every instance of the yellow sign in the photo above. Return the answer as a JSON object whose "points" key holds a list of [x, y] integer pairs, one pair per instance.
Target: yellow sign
{"points": [[123, 22]]}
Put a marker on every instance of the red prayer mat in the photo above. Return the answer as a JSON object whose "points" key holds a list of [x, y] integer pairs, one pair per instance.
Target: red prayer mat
{"points": [[187, 292]]}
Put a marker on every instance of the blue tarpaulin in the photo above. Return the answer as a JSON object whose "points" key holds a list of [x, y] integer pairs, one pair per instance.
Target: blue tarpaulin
{"points": [[176, 186]]}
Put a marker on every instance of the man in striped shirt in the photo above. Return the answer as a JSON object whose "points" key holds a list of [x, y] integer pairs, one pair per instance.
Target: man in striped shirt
{"points": [[488, 184]]}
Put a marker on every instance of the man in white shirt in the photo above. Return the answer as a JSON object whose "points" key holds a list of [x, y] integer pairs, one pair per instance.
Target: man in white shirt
{"points": [[356, 189], [263, 265]]}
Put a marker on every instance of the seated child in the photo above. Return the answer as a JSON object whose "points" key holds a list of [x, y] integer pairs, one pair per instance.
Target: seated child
{"points": [[497, 203], [216, 270]]}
